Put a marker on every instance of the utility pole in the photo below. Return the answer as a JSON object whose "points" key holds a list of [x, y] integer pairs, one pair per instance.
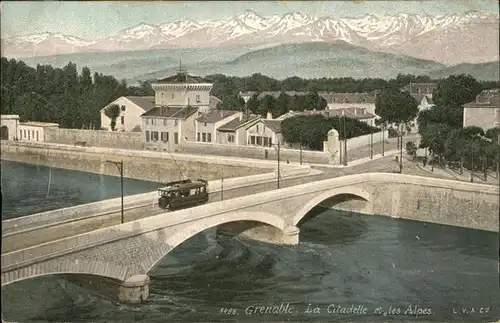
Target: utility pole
{"points": [[472, 165], [401, 150], [119, 165], [301, 147], [222, 185], [383, 138], [278, 164], [371, 140], [345, 145]]}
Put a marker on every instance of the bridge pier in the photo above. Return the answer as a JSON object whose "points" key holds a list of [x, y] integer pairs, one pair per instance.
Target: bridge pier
{"points": [[260, 232], [133, 290]]}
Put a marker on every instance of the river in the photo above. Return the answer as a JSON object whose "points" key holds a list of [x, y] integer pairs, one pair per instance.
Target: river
{"points": [[375, 269]]}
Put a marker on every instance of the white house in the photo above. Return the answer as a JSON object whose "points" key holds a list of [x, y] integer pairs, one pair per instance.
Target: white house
{"points": [[34, 131], [235, 131], [484, 112], [183, 89], [207, 124], [336, 101], [131, 109], [9, 126], [168, 127], [265, 132]]}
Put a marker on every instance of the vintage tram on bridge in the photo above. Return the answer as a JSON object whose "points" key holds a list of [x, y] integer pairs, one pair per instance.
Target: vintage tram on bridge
{"points": [[183, 194]]}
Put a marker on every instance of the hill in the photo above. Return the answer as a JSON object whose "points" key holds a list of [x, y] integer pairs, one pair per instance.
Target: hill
{"points": [[487, 71], [307, 60], [315, 60]]}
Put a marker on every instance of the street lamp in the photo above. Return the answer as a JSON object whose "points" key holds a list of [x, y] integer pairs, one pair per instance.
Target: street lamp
{"points": [[401, 149], [278, 150], [119, 165], [301, 147]]}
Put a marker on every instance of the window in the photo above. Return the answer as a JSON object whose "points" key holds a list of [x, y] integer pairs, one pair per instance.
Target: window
{"points": [[123, 119], [230, 137], [257, 127], [173, 96], [198, 136], [24, 133], [198, 98], [266, 141], [204, 124], [123, 108], [33, 134], [37, 136], [164, 122], [176, 138], [264, 128], [147, 120], [209, 137], [252, 140], [259, 141], [147, 135], [154, 135], [204, 136], [175, 122], [29, 133], [164, 136], [153, 122]]}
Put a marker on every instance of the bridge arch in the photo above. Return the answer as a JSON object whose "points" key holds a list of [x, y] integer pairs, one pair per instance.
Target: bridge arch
{"points": [[67, 267], [200, 226], [349, 192]]}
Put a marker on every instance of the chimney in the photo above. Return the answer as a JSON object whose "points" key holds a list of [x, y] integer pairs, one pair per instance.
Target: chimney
{"points": [[269, 116]]}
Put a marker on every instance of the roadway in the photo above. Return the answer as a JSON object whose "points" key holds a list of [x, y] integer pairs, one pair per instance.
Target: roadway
{"points": [[25, 237]]}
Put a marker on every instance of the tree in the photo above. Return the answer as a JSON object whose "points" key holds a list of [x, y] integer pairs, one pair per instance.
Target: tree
{"points": [[253, 104], [411, 149], [456, 90], [112, 112], [434, 137], [395, 106]]}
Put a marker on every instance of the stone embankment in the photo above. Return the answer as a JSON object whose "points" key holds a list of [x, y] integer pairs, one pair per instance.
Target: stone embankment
{"points": [[143, 165]]}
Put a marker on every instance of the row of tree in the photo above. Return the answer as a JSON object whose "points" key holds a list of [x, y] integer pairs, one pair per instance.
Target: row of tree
{"points": [[311, 131], [442, 132], [285, 103]]}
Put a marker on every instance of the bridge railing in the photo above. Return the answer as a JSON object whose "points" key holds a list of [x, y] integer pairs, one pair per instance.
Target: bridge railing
{"points": [[111, 205], [60, 247]]}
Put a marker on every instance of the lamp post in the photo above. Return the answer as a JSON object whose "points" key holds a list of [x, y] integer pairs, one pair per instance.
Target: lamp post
{"points": [[401, 149], [383, 138], [371, 139], [119, 165], [301, 147], [345, 144], [278, 150], [222, 185]]}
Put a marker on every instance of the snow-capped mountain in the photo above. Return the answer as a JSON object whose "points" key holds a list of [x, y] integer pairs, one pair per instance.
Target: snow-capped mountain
{"points": [[422, 36]]}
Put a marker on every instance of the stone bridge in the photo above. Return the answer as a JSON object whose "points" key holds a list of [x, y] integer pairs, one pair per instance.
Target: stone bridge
{"points": [[114, 261]]}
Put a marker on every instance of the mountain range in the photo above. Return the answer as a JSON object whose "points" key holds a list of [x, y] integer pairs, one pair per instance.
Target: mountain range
{"points": [[470, 37]]}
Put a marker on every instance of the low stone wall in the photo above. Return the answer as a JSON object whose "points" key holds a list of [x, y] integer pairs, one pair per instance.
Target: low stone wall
{"points": [[143, 165], [291, 155], [365, 140], [98, 138], [74, 212]]}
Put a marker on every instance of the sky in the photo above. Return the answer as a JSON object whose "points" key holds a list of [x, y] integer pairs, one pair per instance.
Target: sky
{"points": [[99, 19]]}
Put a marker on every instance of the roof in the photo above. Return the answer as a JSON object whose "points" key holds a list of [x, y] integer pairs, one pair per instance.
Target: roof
{"points": [[144, 102], [420, 97], [332, 97], [171, 112], [216, 115], [274, 125], [486, 99], [352, 113], [420, 88], [9, 116], [237, 123], [181, 78], [39, 124]]}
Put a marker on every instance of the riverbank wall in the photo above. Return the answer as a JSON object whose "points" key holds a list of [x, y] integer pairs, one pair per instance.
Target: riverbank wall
{"points": [[142, 165]]}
